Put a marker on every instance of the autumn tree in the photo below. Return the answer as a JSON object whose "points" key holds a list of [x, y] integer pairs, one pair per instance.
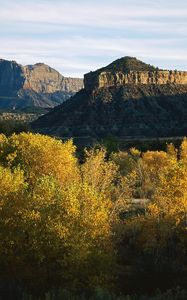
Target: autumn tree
{"points": [[39, 155], [55, 216], [155, 241]]}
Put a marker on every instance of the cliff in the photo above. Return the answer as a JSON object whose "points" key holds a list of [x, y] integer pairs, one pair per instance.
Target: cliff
{"points": [[11, 77], [129, 70], [43, 79], [34, 86], [128, 98], [108, 79]]}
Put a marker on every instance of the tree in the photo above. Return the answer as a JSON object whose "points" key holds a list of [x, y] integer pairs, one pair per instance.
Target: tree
{"points": [[54, 219], [39, 155], [155, 241]]}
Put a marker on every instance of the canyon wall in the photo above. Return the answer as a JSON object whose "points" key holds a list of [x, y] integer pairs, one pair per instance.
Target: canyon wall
{"points": [[39, 78], [93, 80], [43, 79], [11, 77], [34, 86]]}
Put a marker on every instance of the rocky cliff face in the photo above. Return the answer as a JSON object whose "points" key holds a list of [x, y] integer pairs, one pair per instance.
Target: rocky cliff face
{"points": [[108, 79], [43, 79], [34, 86], [125, 99], [72, 84], [11, 77]]}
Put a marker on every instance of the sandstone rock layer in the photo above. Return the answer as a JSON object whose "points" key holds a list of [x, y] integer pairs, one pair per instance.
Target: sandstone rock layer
{"points": [[108, 79], [34, 86], [43, 79]]}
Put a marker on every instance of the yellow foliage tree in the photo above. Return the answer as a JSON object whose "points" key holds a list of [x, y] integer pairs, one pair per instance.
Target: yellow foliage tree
{"points": [[98, 172], [158, 235], [54, 217], [39, 155]]}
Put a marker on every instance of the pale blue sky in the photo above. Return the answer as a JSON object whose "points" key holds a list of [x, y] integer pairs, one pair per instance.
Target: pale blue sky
{"points": [[76, 36]]}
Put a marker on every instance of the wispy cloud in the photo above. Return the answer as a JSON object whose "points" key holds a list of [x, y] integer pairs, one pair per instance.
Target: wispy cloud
{"points": [[71, 12], [77, 36]]}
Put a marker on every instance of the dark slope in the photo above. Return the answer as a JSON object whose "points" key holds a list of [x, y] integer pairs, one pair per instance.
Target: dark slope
{"points": [[146, 110]]}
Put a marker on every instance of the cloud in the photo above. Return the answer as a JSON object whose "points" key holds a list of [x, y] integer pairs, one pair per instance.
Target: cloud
{"points": [[87, 14], [78, 36], [78, 55]]}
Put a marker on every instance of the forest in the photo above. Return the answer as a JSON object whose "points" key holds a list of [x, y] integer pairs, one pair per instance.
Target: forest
{"points": [[108, 226]]}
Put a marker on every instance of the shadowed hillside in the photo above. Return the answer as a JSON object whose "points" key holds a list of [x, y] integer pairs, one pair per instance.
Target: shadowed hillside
{"points": [[150, 103]]}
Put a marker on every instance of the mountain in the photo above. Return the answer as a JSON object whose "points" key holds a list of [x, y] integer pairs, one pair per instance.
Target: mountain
{"points": [[34, 86], [128, 98]]}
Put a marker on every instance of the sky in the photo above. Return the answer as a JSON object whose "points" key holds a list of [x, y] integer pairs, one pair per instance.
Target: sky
{"points": [[78, 36]]}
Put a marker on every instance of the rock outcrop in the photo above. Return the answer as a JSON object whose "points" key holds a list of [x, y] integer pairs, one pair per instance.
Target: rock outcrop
{"points": [[11, 78], [129, 70], [34, 86], [108, 79], [125, 99], [43, 79]]}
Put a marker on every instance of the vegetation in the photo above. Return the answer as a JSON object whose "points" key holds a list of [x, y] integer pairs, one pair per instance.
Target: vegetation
{"points": [[110, 225], [9, 127], [126, 64]]}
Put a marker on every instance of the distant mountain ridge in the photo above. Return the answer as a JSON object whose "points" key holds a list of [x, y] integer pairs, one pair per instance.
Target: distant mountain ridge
{"points": [[140, 101], [38, 86]]}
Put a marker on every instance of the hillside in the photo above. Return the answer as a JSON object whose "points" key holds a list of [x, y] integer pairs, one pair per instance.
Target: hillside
{"points": [[33, 86], [127, 64], [139, 101]]}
